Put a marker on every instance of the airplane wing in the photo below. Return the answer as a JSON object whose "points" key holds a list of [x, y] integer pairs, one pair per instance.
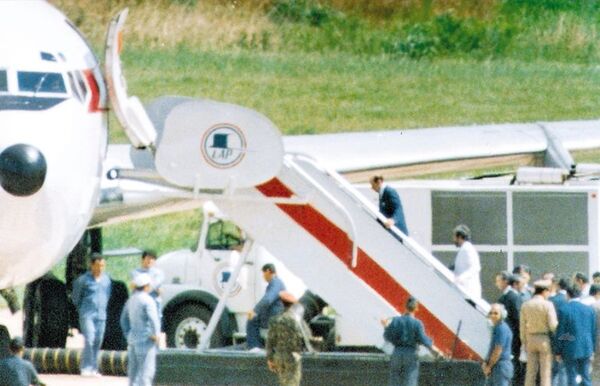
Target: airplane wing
{"points": [[404, 153], [395, 153]]}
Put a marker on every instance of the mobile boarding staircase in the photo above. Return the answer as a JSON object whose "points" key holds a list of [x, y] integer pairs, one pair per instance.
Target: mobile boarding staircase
{"points": [[335, 242]]}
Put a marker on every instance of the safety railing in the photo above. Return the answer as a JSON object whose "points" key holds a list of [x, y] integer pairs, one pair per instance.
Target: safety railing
{"points": [[411, 245]]}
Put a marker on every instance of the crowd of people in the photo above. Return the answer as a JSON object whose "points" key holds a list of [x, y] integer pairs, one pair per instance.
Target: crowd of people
{"points": [[548, 334], [553, 329]]}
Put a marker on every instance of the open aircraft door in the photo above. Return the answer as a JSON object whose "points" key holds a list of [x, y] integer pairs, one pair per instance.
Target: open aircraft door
{"points": [[197, 144]]}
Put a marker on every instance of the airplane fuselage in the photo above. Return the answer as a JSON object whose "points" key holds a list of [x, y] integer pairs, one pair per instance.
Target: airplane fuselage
{"points": [[53, 138]]}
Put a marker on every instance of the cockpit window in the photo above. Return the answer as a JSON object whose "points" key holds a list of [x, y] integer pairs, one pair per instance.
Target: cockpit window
{"points": [[3, 81], [41, 82]]}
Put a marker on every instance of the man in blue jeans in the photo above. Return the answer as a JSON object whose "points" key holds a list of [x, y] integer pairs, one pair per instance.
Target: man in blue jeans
{"points": [[91, 292], [270, 305]]}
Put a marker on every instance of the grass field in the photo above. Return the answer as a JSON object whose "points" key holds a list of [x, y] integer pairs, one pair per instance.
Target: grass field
{"points": [[315, 93]]}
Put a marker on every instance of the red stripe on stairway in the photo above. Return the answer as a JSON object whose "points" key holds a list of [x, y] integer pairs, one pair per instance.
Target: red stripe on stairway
{"points": [[367, 269]]}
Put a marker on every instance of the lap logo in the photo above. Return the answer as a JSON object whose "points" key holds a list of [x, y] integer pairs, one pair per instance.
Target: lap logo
{"points": [[224, 145], [221, 277]]}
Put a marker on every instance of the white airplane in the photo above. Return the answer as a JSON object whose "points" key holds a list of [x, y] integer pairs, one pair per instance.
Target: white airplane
{"points": [[53, 112]]}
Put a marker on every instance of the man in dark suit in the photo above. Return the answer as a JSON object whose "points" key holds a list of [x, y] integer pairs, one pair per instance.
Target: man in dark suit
{"points": [[558, 297], [389, 204], [576, 338], [512, 302]]}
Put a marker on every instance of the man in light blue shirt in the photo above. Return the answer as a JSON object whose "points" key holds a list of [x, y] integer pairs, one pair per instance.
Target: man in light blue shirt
{"points": [[91, 292], [141, 327], [157, 277], [498, 367]]}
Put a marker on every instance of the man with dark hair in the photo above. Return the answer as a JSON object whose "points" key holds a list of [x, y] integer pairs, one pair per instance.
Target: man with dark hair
{"points": [[576, 338], [581, 280], [268, 306], [498, 366], [406, 333], [538, 322], [466, 264], [512, 302], [91, 292], [596, 277], [14, 370], [525, 273], [141, 327], [390, 204], [157, 277]]}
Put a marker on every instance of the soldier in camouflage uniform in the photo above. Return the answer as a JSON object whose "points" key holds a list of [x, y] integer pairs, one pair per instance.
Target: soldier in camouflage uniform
{"points": [[285, 341]]}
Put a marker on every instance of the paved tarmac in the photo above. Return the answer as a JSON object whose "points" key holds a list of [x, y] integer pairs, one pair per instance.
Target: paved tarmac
{"points": [[76, 380], [14, 323]]}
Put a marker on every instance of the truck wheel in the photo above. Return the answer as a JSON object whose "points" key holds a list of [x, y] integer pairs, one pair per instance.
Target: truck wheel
{"points": [[187, 325], [46, 320]]}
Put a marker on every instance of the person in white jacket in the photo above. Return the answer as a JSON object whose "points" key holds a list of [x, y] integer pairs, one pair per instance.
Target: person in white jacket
{"points": [[466, 266]]}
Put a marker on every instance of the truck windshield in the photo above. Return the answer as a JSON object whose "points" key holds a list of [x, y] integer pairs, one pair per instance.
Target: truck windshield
{"points": [[223, 235], [47, 82]]}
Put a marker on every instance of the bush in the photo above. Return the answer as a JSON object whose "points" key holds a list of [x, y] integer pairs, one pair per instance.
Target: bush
{"points": [[553, 5], [301, 11], [449, 35]]}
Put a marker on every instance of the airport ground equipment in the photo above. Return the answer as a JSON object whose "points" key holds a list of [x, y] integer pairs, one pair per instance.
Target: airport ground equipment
{"points": [[196, 279], [333, 239], [67, 361]]}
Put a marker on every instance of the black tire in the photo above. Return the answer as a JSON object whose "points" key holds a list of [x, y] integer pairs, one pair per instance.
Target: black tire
{"points": [[46, 318], [186, 324], [113, 335], [4, 341]]}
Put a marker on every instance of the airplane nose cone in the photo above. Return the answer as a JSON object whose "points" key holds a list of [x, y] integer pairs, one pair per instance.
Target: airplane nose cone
{"points": [[22, 170]]}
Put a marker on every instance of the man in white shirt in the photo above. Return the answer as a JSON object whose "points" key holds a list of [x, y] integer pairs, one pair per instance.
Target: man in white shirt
{"points": [[466, 265]]}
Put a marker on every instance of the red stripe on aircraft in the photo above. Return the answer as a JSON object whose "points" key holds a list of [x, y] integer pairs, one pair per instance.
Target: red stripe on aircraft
{"points": [[94, 105], [367, 269]]}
